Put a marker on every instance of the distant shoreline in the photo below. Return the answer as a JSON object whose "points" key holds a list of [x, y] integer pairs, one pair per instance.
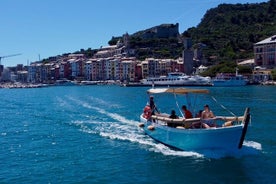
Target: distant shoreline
{"points": [[101, 83], [21, 85]]}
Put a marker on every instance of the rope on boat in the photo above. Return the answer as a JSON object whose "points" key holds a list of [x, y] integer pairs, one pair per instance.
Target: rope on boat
{"points": [[222, 106], [194, 106], [188, 100], [178, 105], [189, 104]]}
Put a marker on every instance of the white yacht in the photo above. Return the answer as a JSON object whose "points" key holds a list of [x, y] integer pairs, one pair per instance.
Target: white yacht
{"points": [[178, 79]]}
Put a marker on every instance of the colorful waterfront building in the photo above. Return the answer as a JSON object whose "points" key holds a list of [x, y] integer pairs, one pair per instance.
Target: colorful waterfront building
{"points": [[128, 68], [88, 70], [64, 70], [94, 69], [77, 68], [265, 53]]}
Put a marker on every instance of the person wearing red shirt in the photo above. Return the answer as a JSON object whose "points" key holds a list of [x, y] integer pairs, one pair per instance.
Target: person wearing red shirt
{"points": [[187, 113]]}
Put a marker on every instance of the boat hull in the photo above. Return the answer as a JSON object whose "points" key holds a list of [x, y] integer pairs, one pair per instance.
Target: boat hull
{"points": [[225, 80], [229, 83], [195, 139]]}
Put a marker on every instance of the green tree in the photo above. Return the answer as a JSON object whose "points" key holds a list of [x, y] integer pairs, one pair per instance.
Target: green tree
{"points": [[273, 73]]}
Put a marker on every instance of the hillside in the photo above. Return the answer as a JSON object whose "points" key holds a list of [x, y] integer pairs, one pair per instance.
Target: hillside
{"points": [[229, 31], [161, 41]]}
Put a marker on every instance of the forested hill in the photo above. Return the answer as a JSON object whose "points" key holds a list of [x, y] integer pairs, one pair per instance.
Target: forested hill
{"points": [[229, 31]]}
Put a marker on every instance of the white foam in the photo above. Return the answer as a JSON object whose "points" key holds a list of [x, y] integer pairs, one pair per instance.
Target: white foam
{"points": [[253, 144], [104, 103], [83, 126], [114, 116], [128, 132], [3, 133], [63, 103], [161, 148]]}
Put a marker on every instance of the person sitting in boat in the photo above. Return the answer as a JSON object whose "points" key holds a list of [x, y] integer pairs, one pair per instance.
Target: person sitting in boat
{"points": [[172, 116], [208, 117], [147, 111], [198, 115], [153, 106], [207, 113], [187, 113], [199, 124]]}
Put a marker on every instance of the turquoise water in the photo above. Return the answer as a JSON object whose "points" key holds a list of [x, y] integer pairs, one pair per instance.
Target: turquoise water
{"points": [[89, 134]]}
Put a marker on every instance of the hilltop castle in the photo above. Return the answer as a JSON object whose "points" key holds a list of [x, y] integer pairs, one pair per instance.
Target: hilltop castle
{"points": [[161, 31]]}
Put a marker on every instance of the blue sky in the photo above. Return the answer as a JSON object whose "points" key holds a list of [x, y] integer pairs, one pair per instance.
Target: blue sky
{"points": [[47, 28]]}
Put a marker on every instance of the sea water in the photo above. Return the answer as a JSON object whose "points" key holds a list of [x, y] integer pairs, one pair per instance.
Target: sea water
{"points": [[89, 134]]}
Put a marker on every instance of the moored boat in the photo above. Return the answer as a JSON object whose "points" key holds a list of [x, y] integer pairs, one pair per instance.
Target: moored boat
{"points": [[177, 79], [223, 79], [64, 82], [229, 132], [88, 83]]}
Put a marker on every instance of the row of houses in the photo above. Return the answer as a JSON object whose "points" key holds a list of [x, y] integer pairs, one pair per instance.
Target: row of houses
{"points": [[100, 69], [113, 63]]}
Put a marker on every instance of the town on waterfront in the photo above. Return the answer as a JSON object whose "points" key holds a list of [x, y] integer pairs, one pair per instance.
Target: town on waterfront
{"points": [[161, 104], [113, 63], [118, 63]]}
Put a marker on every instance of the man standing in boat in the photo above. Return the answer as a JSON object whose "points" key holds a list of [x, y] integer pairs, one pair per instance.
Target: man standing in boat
{"points": [[152, 106]]}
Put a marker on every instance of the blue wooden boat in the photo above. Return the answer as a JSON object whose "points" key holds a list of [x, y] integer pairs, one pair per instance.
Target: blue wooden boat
{"points": [[228, 135]]}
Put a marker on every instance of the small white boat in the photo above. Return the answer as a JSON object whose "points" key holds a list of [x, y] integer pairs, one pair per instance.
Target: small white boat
{"points": [[65, 82], [229, 132], [230, 80], [88, 83], [178, 79]]}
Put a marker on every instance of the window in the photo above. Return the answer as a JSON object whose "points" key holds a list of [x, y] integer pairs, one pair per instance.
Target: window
{"points": [[271, 59]]}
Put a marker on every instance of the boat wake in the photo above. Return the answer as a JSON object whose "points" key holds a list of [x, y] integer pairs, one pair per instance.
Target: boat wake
{"points": [[114, 126]]}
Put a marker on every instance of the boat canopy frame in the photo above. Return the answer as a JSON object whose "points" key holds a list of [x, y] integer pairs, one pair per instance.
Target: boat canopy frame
{"points": [[180, 91], [177, 91], [186, 92]]}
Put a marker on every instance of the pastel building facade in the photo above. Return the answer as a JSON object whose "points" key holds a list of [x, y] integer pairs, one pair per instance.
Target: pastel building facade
{"points": [[151, 67], [128, 70], [109, 63], [265, 53]]}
